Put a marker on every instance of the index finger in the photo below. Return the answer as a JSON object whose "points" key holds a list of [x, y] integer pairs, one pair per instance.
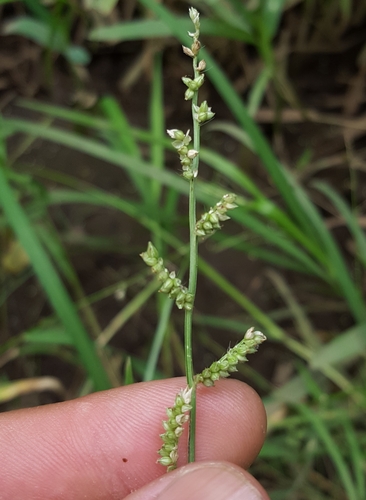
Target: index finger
{"points": [[105, 445]]}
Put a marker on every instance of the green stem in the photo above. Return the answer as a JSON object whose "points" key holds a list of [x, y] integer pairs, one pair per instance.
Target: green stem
{"points": [[192, 428], [188, 319], [193, 257], [192, 284]]}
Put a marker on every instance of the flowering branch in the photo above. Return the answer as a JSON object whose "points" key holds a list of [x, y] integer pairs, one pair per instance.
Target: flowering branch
{"points": [[179, 413], [210, 221], [170, 284], [184, 408]]}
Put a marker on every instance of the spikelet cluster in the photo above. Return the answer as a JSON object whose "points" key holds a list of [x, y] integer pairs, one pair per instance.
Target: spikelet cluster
{"points": [[196, 83], [228, 363], [177, 417], [170, 284], [210, 221], [201, 113], [186, 155]]}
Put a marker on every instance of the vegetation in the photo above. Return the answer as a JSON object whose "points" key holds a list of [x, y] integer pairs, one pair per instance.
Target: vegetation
{"points": [[298, 224]]}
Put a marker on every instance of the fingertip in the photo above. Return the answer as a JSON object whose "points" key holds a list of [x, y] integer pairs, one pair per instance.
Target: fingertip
{"points": [[231, 423], [208, 480]]}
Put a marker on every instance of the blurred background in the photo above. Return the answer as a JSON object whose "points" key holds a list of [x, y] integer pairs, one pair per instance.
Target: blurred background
{"points": [[88, 176]]}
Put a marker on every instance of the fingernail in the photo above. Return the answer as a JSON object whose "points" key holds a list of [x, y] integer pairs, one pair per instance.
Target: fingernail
{"points": [[211, 482]]}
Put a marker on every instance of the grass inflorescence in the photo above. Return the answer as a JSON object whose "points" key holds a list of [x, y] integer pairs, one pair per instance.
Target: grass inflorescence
{"points": [[308, 231], [184, 298]]}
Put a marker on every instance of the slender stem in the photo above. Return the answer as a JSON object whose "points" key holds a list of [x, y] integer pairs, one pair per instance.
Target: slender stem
{"points": [[192, 284], [193, 257], [188, 321]]}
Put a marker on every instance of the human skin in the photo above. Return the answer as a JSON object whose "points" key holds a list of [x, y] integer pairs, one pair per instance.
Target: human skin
{"points": [[103, 446]]}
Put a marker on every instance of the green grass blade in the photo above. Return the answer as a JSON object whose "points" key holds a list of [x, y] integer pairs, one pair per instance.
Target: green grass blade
{"points": [[231, 13], [351, 219], [276, 237], [346, 8], [98, 150], [133, 306], [74, 116], [358, 457], [52, 334], [49, 35], [314, 388], [301, 321], [157, 343], [97, 197], [121, 139], [151, 28], [52, 285], [157, 127], [256, 249], [332, 448], [274, 331], [128, 378], [49, 238], [230, 170], [37, 31], [342, 349], [270, 18], [337, 268], [256, 93], [39, 11]]}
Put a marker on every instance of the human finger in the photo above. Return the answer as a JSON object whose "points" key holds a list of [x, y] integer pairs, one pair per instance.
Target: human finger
{"points": [[208, 480], [104, 445]]}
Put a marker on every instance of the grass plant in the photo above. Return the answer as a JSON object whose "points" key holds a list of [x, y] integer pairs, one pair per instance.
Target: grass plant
{"points": [[316, 442]]}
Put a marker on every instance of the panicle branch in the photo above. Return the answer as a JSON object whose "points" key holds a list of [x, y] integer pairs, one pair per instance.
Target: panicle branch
{"points": [[179, 413], [210, 221], [170, 284], [177, 417], [228, 363]]}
